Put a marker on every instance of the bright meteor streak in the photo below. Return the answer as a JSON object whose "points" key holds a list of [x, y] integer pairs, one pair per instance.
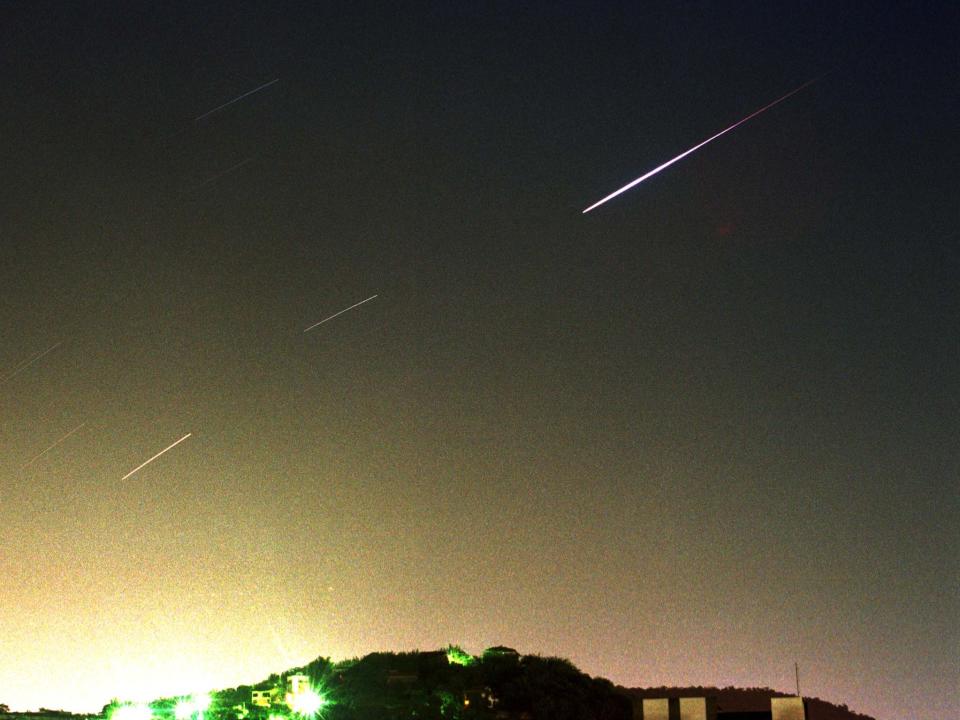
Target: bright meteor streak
{"points": [[138, 467], [340, 313], [695, 148]]}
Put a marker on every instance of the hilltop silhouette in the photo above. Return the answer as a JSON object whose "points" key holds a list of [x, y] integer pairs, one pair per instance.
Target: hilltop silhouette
{"points": [[449, 684]]}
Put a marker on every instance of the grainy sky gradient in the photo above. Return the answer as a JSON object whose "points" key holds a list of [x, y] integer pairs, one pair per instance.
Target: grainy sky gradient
{"points": [[703, 432]]}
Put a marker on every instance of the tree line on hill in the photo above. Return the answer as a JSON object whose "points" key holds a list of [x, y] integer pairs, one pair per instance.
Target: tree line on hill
{"points": [[448, 684], [451, 684]]}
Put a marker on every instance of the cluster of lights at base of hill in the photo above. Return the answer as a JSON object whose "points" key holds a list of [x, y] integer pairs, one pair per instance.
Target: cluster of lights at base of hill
{"points": [[306, 704], [188, 708]]}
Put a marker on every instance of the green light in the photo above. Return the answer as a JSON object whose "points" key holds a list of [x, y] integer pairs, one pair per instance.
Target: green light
{"points": [[187, 708], [307, 703], [456, 656]]}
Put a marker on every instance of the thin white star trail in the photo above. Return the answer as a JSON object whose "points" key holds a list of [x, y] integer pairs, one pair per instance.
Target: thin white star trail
{"points": [[340, 313], [235, 100], [28, 362], [41, 454], [219, 175], [696, 147], [143, 465]]}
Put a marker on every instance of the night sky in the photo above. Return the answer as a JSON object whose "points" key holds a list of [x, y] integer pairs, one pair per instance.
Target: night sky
{"points": [[698, 434]]}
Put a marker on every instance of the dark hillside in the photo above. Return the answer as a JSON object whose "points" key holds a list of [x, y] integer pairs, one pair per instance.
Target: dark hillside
{"points": [[449, 684]]}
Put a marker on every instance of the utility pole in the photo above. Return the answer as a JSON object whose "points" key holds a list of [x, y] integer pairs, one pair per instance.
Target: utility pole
{"points": [[796, 669]]}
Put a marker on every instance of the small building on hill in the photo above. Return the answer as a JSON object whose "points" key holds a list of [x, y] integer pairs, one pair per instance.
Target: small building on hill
{"points": [[263, 698], [676, 708], [401, 677], [500, 651], [297, 686]]}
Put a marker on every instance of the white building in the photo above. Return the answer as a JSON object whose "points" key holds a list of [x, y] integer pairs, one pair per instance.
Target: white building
{"points": [[263, 698], [297, 685], [693, 708], [656, 709], [787, 708]]}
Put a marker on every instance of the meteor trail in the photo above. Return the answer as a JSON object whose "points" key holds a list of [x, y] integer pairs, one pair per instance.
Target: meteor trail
{"points": [[40, 455], [27, 363], [340, 313], [236, 99], [696, 147], [221, 174], [156, 456]]}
